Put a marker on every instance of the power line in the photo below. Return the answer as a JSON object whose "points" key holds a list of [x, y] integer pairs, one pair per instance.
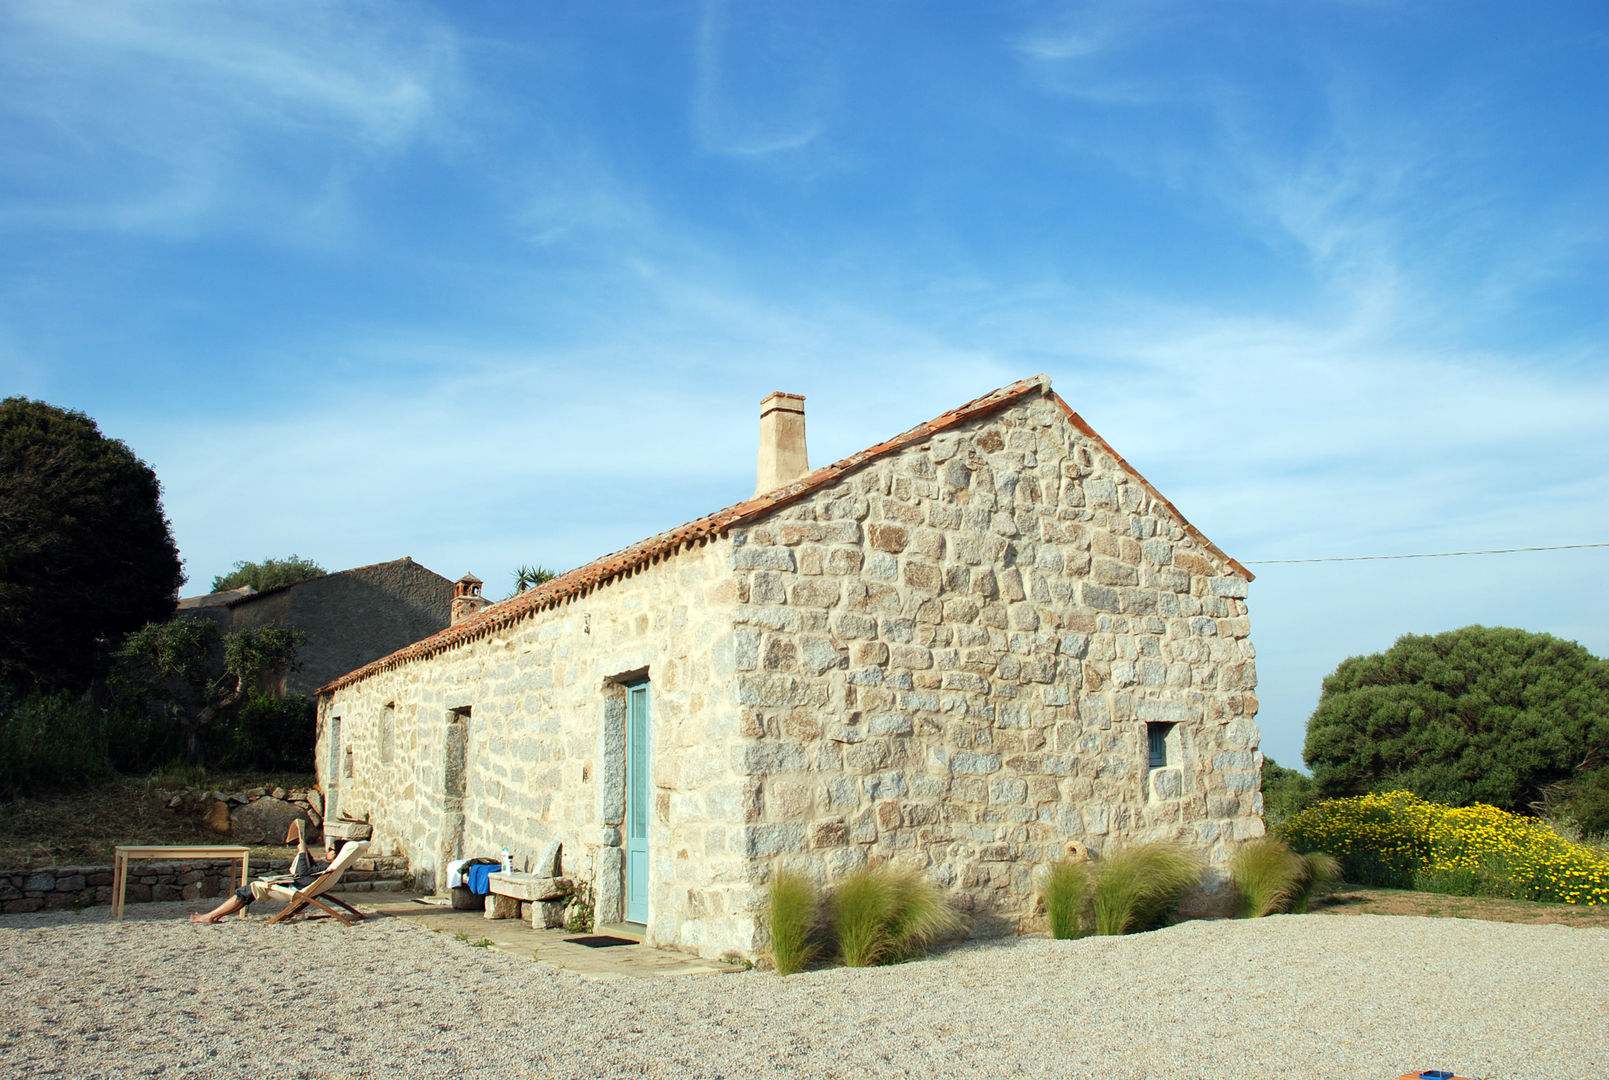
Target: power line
{"points": [[1424, 555]]}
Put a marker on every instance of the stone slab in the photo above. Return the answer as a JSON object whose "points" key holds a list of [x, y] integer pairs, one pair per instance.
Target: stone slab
{"points": [[528, 887]]}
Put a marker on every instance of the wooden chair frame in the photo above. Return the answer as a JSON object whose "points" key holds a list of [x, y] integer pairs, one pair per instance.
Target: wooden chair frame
{"points": [[316, 893]]}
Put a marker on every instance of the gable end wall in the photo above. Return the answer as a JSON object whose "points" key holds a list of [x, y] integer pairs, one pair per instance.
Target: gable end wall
{"points": [[949, 659]]}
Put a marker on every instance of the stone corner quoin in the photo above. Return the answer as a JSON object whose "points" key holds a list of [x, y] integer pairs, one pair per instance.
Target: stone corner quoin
{"points": [[970, 655]]}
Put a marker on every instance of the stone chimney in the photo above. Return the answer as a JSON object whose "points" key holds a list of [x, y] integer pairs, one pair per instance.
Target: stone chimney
{"points": [[467, 599], [782, 441]]}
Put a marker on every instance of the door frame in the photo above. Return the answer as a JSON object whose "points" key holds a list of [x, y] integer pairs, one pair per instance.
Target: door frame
{"points": [[639, 799]]}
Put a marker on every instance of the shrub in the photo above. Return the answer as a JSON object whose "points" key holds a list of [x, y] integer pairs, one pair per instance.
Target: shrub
{"points": [[1286, 793], [1066, 895], [882, 915], [49, 741], [793, 921], [1399, 840], [275, 734], [1588, 805], [1136, 888]]}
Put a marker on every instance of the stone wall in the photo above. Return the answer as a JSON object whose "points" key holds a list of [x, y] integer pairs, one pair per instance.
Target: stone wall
{"points": [[351, 617], [56, 887], [951, 659], [539, 709]]}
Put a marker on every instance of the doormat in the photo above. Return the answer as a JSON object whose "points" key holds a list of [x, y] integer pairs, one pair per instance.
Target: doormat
{"points": [[601, 941]]}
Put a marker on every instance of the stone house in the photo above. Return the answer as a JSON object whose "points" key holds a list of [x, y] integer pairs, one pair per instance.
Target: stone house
{"points": [[351, 617], [971, 648]]}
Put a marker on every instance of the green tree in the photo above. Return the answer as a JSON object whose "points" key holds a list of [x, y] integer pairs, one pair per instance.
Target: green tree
{"points": [[529, 577], [1491, 715], [268, 574], [85, 553], [183, 671], [1286, 793]]}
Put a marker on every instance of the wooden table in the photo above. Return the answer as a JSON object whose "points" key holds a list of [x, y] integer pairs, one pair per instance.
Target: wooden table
{"points": [[122, 855]]}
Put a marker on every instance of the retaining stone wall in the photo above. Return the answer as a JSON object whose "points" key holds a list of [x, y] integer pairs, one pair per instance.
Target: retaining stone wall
{"points": [[56, 887]]}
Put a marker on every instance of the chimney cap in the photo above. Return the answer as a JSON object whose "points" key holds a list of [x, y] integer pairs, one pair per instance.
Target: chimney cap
{"points": [[781, 399]]}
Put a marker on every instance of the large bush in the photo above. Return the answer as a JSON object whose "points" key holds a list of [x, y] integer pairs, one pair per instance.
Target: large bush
{"points": [[1399, 840], [1490, 715], [49, 741], [85, 553]]}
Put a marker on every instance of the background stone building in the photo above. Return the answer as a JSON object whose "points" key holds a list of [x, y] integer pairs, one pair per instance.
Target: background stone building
{"points": [[965, 648], [351, 617]]}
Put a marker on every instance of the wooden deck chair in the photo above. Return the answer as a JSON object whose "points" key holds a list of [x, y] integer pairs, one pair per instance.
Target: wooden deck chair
{"points": [[317, 893]]}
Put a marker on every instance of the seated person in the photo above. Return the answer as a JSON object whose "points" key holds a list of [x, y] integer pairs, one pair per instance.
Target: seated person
{"points": [[304, 871]]}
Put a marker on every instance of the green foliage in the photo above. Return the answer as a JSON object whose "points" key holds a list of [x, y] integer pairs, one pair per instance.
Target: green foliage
{"points": [[1272, 878], [1265, 872], [1489, 715], [793, 916], [49, 741], [85, 553], [182, 687], [1286, 793], [580, 913], [1318, 871], [1399, 840], [258, 655], [275, 734], [1137, 888], [529, 577], [268, 574], [1586, 803], [884, 915], [1066, 894]]}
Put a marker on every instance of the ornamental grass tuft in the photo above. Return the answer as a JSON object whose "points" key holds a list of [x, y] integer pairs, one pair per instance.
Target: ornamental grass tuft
{"points": [[1318, 870], [1137, 888], [883, 915], [1271, 878], [1066, 894], [794, 921], [1399, 840], [1266, 873]]}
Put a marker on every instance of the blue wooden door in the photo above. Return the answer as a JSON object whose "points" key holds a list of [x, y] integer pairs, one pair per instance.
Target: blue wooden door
{"points": [[637, 803]]}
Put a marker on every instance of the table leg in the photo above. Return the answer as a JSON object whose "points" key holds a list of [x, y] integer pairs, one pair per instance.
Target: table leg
{"points": [[245, 867], [119, 883]]}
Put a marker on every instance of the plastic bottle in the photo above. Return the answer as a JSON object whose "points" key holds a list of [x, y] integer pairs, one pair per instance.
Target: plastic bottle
{"points": [[508, 861]]}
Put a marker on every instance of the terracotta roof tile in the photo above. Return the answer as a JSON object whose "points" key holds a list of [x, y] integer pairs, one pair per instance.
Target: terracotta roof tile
{"points": [[594, 575]]}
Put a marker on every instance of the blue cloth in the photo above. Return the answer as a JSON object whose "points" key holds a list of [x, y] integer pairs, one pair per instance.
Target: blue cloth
{"points": [[475, 877]]}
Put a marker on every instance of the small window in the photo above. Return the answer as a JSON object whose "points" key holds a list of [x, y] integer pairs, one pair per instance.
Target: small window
{"points": [[1156, 739], [388, 741]]}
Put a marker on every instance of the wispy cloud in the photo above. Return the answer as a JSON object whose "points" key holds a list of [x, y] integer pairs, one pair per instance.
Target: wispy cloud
{"points": [[150, 117], [766, 96]]}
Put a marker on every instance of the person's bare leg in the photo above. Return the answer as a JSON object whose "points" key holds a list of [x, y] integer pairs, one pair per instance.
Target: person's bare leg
{"points": [[228, 907]]}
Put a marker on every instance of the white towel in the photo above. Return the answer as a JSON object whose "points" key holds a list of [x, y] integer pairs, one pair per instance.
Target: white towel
{"points": [[455, 877]]}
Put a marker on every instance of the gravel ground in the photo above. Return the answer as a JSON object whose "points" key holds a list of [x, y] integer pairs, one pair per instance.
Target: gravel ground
{"points": [[1312, 996]]}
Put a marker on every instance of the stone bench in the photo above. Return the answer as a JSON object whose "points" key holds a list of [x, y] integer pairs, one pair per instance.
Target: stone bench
{"points": [[545, 895]]}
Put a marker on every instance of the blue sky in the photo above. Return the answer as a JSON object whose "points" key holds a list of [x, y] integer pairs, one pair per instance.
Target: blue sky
{"points": [[489, 284]]}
